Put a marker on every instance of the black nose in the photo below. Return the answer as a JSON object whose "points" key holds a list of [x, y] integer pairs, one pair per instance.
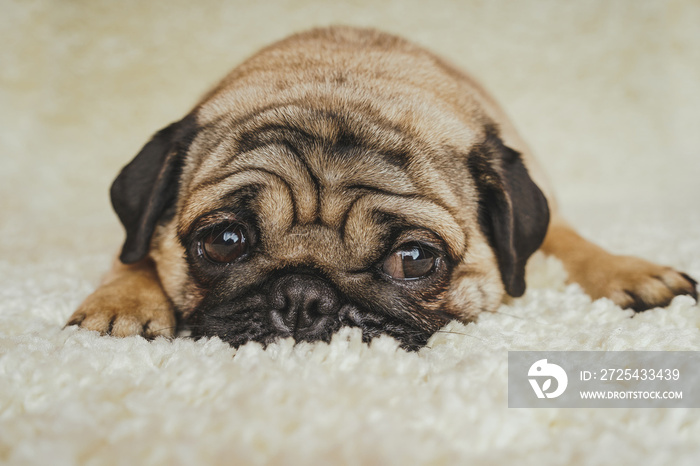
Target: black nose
{"points": [[303, 306]]}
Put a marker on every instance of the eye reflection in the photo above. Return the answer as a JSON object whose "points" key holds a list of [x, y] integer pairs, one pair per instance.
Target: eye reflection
{"points": [[411, 261], [225, 244]]}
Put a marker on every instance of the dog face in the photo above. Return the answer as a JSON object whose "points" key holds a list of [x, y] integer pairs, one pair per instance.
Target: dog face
{"points": [[340, 177]]}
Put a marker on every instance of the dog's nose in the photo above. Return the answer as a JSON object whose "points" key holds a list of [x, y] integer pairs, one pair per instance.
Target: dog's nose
{"points": [[303, 306]]}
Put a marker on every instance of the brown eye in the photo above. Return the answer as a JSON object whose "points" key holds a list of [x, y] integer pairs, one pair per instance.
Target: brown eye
{"points": [[410, 262], [225, 244]]}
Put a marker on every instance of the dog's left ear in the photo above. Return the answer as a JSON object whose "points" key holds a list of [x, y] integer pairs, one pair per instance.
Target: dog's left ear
{"points": [[148, 185], [513, 211]]}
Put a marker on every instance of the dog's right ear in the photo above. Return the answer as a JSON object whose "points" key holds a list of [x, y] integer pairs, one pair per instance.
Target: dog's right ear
{"points": [[148, 185]]}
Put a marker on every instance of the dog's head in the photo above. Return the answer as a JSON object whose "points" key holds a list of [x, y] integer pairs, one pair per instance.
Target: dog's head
{"points": [[338, 178]]}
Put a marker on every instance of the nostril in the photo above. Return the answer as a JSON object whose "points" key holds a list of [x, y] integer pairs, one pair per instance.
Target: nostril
{"points": [[281, 322], [322, 300], [313, 308]]}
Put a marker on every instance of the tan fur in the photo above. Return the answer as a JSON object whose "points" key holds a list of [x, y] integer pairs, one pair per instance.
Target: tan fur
{"points": [[130, 301], [624, 279], [413, 102]]}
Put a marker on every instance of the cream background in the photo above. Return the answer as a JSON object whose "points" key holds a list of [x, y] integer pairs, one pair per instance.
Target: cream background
{"points": [[606, 92]]}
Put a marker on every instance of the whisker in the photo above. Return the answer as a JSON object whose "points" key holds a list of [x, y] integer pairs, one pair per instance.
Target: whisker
{"points": [[509, 315], [452, 332]]}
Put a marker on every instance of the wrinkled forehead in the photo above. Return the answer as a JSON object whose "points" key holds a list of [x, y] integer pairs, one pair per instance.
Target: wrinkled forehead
{"points": [[294, 166]]}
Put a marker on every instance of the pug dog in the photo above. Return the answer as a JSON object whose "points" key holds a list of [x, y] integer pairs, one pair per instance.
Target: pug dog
{"points": [[341, 177]]}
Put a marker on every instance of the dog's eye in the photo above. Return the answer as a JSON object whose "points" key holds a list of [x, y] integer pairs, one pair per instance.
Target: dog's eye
{"points": [[409, 262], [224, 244]]}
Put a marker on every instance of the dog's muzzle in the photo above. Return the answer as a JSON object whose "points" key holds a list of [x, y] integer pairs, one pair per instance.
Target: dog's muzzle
{"points": [[298, 304]]}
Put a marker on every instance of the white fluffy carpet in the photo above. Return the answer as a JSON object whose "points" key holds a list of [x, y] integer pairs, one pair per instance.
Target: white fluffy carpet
{"points": [[608, 94]]}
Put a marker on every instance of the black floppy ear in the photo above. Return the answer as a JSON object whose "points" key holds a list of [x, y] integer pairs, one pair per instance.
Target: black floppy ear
{"points": [[148, 185], [513, 211]]}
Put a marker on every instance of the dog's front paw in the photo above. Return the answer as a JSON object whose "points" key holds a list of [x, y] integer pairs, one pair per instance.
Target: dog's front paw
{"points": [[634, 283], [111, 312]]}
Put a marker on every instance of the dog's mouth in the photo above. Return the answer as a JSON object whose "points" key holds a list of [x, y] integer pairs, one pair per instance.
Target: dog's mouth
{"points": [[300, 306]]}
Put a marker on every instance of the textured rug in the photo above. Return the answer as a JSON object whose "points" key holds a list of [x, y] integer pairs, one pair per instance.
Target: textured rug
{"points": [[607, 92]]}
